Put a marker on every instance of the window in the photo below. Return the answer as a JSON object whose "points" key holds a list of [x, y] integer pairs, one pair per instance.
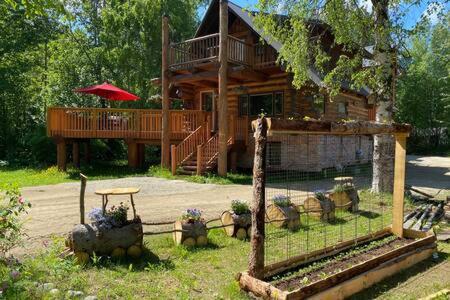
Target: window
{"points": [[207, 101], [319, 103], [270, 104], [273, 154], [342, 108]]}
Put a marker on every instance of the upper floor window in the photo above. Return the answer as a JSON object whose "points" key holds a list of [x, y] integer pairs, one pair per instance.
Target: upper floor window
{"points": [[342, 109], [271, 104]]}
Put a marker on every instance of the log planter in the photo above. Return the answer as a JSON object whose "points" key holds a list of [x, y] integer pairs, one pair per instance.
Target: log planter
{"points": [[349, 281], [283, 216], [347, 199], [238, 226], [88, 239], [190, 233], [323, 209]]}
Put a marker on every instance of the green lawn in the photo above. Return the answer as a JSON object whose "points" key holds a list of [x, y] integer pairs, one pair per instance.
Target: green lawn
{"points": [[24, 176], [174, 272]]}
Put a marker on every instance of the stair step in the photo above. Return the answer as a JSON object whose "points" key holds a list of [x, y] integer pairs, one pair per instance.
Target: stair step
{"points": [[190, 168], [184, 172]]}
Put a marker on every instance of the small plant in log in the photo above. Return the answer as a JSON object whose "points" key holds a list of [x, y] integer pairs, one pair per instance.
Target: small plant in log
{"points": [[237, 221], [190, 230], [345, 196], [110, 233], [320, 206], [283, 213]]}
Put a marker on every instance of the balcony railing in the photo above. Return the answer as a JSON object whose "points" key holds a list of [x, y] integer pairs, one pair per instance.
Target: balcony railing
{"points": [[120, 123], [189, 53]]}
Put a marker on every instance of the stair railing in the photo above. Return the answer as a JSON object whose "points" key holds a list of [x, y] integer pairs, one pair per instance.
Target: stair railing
{"points": [[208, 153], [189, 145]]}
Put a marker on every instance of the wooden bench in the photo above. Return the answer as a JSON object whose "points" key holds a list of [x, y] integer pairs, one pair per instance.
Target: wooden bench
{"points": [[116, 192]]}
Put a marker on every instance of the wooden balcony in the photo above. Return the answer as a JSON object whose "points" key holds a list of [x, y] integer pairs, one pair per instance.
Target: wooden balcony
{"points": [[144, 124], [203, 50]]}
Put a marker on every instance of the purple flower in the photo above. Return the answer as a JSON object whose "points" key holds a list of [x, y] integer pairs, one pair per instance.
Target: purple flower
{"points": [[15, 274]]}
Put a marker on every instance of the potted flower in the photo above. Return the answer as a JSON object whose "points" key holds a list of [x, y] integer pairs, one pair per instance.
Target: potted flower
{"points": [[238, 220], [283, 213], [345, 196], [190, 230], [320, 206]]}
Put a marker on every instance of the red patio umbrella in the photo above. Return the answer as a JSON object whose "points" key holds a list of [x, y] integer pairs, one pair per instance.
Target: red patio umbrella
{"points": [[109, 92]]}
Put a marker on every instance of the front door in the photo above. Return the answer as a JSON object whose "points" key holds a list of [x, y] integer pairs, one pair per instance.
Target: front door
{"points": [[209, 105]]}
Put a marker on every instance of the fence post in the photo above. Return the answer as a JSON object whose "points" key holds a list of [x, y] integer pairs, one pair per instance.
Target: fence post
{"points": [[399, 184], [82, 192], [256, 259]]}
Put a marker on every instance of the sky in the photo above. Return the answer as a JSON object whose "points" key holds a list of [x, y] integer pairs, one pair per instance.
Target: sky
{"points": [[413, 16]]}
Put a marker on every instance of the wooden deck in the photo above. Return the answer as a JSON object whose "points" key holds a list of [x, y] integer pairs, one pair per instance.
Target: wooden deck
{"points": [[143, 124]]}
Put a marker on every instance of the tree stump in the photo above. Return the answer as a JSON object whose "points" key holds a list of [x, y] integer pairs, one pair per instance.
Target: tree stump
{"points": [[287, 217], [89, 238], [323, 209], [347, 199], [234, 223], [190, 234]]}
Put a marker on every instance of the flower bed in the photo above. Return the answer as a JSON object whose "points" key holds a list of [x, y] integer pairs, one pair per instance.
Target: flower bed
{"points": [[283, 213], [190, 230], [337, 274], [237, 222]]}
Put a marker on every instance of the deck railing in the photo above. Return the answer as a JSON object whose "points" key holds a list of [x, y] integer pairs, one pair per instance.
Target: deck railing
{"points": [[120, 123], [204, 49]]}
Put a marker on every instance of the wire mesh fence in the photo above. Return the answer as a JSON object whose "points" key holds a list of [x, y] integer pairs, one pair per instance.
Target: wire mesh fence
{"points": [[318, 193]]}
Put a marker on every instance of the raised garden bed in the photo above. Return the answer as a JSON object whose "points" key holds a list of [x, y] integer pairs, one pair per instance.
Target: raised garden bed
{"points": [[339, 273]]}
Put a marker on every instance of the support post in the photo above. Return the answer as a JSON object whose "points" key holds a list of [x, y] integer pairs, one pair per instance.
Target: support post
{"points": [[399, 184], [141, 155], [76, 154], [256, 259], [174, 160], [61, 155], [223, 82], [199, 159], [82, 192], [165, 135], [133, 154]]}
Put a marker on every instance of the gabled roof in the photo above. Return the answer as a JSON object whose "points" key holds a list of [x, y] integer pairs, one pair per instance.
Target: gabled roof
{"points": [[246, 17]]}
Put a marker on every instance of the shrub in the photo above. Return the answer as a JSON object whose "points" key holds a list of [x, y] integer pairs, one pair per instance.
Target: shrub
{"points": [[240, 207], [12, 206], [282, 200], [192, 215]]}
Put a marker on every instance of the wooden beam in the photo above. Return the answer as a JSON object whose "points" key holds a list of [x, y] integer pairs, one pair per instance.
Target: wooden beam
{"points": [[399, 184], [61, 154], [165, 136], [258, 209], [339, 128], [76, 154], [190, 78], [223, 89], [244, 73]]}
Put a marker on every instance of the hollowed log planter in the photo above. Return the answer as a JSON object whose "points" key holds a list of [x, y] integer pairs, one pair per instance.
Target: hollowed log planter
{"points": [[238, 226], [190, 233], [323, 209], [347, 199], [352, 280], [283, 216], [89, 238]]}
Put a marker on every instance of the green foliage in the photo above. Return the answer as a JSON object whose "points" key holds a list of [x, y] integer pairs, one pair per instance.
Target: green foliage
{"points": [[12, 207], [240, 207], [423, 94], [281, 200]]}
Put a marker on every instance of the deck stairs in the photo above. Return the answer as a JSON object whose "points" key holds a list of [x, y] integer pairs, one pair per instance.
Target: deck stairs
{"points": [[198, 153]]}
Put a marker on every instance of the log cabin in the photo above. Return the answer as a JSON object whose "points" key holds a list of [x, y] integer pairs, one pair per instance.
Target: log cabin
{"points": [[225, 76]]}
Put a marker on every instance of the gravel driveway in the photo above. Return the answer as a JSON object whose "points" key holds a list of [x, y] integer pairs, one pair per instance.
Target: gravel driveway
{"points": [[56, 210]]}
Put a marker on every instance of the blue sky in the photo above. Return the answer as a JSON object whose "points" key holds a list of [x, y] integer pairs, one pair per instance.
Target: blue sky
{"points": [[414, 13]]}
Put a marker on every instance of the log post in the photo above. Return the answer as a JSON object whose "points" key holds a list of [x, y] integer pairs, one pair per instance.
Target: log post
{"points": [[199, 159], [223, 82], [256, 259], [76, 154], [165, 135], [82, 192], [174, 159], [61, 154], [399, 184], [133, 154]]}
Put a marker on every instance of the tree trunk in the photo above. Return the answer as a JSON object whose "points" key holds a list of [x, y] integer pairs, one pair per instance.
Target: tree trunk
{"points": [[383, 152], [256, 259]]}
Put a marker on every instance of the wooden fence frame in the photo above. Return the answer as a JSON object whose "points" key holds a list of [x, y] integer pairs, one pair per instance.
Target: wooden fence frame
{"points": [[264, 127]]}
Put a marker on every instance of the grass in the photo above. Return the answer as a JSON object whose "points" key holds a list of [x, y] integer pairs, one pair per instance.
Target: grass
{"points": [[28, 176], [175, 272]]}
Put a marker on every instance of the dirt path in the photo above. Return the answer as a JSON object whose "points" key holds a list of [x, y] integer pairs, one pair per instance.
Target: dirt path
{"points": [[55, 207]]}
